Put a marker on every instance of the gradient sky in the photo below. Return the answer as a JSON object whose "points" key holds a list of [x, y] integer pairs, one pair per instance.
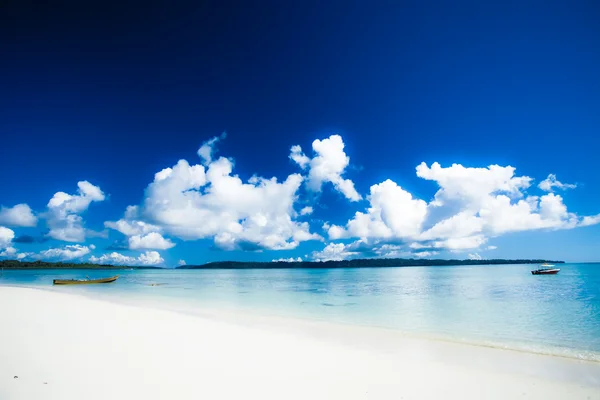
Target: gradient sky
{"points": [[113, 93]]}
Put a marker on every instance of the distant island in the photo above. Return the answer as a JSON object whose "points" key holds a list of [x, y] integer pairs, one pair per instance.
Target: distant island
{"points": [[14, 264], [358, 263]]}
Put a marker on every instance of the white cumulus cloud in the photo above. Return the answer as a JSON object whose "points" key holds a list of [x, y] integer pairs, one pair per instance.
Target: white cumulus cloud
{"points": [[424, 254], [152, 240], [65, 253], [114, 258], [206, 150], [334, 252], [8, 252], [6, 237], [306, 211], [131, 224], [299, 157], [393, 213], [291, 259], [471, 205], [19, 215], [551, 182], [328, 165], [197, 201], [63, 215], [591, 220]]}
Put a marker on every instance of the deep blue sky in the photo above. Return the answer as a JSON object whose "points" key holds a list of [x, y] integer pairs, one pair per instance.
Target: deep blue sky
{"points": [[113, 92]]}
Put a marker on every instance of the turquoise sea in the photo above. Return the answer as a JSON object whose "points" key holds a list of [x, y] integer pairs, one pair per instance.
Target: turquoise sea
{"points": [[499, 305]]}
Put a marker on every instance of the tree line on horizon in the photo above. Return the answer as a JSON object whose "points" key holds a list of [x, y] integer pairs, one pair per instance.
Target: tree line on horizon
{"points": [[360, 263], [357, 263]]}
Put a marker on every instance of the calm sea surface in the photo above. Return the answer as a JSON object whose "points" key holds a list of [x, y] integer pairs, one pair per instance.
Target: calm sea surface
{"points": [[501, 305]]}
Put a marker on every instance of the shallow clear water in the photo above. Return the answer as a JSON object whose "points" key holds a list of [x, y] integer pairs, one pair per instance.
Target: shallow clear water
{"points": [[502, 305]]}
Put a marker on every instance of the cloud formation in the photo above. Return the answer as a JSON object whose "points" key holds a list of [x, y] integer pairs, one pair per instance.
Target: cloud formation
{"points": [[6, 237], [114, 258], [208, 148], [327, 165], [551, 182], [66, 253], [290, 259], [334, 252], [393, 213], [19, 215], [470, 206], [64, 212], [209, 201], [152, 240]]}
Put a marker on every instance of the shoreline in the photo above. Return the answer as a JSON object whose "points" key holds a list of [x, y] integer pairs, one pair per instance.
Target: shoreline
{"points": [[70, 344], [277, 320]]}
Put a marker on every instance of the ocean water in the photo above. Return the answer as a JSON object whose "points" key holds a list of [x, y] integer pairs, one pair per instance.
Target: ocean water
{"points": [[500, 305]]}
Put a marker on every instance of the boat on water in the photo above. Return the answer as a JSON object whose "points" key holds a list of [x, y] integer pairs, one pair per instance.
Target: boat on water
{"points": [[84, 281], [545, 269]]}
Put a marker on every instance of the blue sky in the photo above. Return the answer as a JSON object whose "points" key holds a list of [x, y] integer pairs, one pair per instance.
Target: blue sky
{"points": [[113, 96]]}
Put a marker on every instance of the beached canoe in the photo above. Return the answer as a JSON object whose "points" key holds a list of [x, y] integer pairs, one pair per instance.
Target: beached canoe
{"points": [[84, 281]]}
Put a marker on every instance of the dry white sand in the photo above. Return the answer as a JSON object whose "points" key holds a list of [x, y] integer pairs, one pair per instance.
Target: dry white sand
{"points": [[69, 347]]}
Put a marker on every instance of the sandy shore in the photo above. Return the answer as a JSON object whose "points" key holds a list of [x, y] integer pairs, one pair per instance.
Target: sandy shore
{"points": [[69, 347]]}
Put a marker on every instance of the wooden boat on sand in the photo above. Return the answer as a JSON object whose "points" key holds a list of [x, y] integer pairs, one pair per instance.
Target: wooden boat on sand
{"points": [[84, 281]]}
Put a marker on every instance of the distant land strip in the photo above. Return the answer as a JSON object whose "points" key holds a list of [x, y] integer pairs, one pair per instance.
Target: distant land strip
{"points": [[14, 264], [357, 263]]}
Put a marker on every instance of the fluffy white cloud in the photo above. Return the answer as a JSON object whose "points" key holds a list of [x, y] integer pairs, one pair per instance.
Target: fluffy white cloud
{"points": [[291, 259], [460, 243], [306, 211], [6, 249], [114, 258], [206, 150], [8, 252], [181, 262], [152, 240], [131, 224], [194, 202], [471, 186], [6, 237], [383, 251], [424, 254], [471, 205], [334, 252], [63, 216], [19, 215], [475, 256], [328, 165], [591, 220], [66, 253], [299, 157], [393, 213], [551, 182]]}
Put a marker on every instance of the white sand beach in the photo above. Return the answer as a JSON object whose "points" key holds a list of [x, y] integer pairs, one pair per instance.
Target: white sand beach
{"points": [[63, 347]]}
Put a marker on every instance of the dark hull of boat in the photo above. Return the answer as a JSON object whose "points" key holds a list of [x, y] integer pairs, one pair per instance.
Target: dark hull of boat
{"points": [[84, 282], [545, 272]]}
